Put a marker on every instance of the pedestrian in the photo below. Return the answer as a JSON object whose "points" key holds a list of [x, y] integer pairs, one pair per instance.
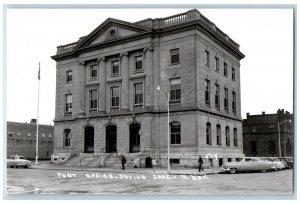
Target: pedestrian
{"points": [[123, 160], [200, 164]]}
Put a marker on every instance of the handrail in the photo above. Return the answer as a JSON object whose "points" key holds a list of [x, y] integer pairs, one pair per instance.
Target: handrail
{"points": [[83, 158]]}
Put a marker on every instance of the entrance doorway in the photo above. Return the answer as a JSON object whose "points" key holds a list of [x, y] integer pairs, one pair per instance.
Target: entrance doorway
{"points": [[89, 139], [111, 139], [134, 141]]}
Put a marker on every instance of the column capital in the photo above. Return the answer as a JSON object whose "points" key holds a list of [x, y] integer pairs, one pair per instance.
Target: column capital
{"points": [[82, 63], [101, 59], [148, 49], [124, 54]]}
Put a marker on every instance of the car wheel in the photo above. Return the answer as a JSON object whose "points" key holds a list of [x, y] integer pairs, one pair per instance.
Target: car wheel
{"points": [[232, 170], [263, 170]]}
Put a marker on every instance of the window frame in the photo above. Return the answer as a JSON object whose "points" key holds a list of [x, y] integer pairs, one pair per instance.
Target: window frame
{"points": [[67, 138], [174, 57], [135, 94], [227, 136], [207, 92], [217, 96], [93, 69], [226, 107], [114, 99], [233, 74], [219, 135], [235, 137], [175, 92], [136, 63], [234, 102], [91, 100], [225, 69], [208, 133], [207, 58], [175, 137], [68, 106], [113, 67], [69, 77], [217, 64]]}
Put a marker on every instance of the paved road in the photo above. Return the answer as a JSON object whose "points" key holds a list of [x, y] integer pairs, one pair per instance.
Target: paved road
{"points": [[32, 181]]}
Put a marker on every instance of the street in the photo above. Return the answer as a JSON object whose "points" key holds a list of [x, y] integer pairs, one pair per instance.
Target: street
{"points": [[42, 181]]}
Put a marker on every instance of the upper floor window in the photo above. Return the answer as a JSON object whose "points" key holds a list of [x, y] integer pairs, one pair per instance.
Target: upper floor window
{"points": [[50, 137], [235, 137], [233, 74], [93, 99], [217, 96], [69, 76], [175, 133], [138, 63], [43, 137], [10, 135], [227, 136], [138, 94], [206, 58], [225, 69], [67, 137], [174, 56], [175, 91], [271, 147], [115, 97], [19, 136], [68, 103], [115, 67], [219, 134], [207, 91], [93, 71], [217, 64], [233, 102], [28, 136], [226, 99], [208, 133]]}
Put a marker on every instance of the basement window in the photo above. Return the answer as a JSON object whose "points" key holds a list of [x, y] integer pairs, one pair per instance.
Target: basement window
{"points": [[174, 161]]}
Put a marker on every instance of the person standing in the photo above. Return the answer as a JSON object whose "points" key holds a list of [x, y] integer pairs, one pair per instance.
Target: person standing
{"points": [[123, 160], [200, 161]]}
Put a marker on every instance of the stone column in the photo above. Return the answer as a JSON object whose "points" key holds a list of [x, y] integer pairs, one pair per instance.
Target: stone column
{"points": [[125, 83], [81, 89], [149, 97], [102, 85]]}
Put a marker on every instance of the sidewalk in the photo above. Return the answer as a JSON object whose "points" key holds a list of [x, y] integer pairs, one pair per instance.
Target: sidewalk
{"points": [[158, 170]]}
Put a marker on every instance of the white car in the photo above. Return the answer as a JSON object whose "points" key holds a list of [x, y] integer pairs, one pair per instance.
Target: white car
{"points": [[15, 161], [277, 165]]}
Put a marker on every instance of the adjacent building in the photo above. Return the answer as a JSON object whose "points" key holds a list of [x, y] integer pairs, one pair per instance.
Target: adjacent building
{"points": [[268, 135], [21, 139], [107, 100]]}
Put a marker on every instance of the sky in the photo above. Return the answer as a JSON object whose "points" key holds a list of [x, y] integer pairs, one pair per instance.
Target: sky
{"points": [[265, 36]]}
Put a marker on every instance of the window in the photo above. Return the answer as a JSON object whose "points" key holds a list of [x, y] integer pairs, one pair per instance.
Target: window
{"points": [[233, 74], [233, 102], [253, 147], [19, 136], [271, 147], [235, 142], [43, 137], [175, 133], [219, 134], [208, 133], [217, 64], [226, 99], [175, 92], [227, 136], [206, 58], [207, 92], [68, 103], [69, 76], [115, 98], [50, 137], [28, 136], [174, 161], [67, 137], [93, 71], [175, 56], [10, 135], [93, 99], [138, 94], [225, 69], [138, 63], [217, 97], [115, 67]]}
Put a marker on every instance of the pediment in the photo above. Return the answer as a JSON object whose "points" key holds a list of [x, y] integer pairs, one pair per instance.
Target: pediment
{"points": [[109, 30]]}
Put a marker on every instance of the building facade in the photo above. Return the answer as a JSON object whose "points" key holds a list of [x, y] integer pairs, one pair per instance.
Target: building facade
{"points": [[107, 98], [261, 134], [21, 139]]}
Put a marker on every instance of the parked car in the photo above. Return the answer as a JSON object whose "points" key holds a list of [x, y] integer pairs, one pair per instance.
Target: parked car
{"points": [[247, 164], [288, 161], [15, 161], [278, 165]]}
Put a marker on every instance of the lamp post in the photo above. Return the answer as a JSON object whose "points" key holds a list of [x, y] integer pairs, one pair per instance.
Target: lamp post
{"points": [[279, 123], [168, 134]]}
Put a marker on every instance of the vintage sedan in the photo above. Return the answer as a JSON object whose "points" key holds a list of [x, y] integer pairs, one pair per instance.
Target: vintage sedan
{"points": [[278, 165], [15, 161], [247, 164]]}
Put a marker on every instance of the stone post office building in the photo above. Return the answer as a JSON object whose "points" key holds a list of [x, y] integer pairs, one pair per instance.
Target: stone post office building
{"points": [[107, 99]]}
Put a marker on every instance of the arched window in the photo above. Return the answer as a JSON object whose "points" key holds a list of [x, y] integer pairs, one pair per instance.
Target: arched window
{"points": [[175, 133], [219, 134], [235, 142], [208, 133], [227, 136], [67, 137]]}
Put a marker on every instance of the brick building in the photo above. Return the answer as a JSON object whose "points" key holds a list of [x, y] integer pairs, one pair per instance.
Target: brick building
{"points": [[21, 139], [107, 98], [261, 138]]}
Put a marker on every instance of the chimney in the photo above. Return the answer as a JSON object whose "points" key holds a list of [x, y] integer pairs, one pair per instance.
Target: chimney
{"points": [[248, 115], [263, 113], [33, 121]]}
